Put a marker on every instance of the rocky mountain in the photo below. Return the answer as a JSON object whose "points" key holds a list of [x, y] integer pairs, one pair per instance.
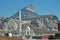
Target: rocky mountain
{"points": [[35, 21], [25, 13]]}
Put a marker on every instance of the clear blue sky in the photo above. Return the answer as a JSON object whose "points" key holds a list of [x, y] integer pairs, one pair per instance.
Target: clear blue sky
{"points": [[42, 7]]}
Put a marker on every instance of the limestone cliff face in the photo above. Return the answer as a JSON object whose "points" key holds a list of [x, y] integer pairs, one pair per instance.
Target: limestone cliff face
{"points": [[9, 24], [43, 23], [48, 22], [45, 20]]}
